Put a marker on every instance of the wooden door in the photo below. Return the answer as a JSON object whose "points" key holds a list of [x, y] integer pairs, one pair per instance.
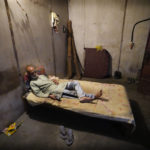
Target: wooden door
{"points": [[144, 84]]}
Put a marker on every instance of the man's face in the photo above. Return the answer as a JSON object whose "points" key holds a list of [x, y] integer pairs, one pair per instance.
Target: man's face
{"points": [[33, 75], [31, 71]]}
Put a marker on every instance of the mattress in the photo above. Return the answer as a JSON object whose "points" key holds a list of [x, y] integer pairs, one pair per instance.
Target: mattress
{"points": [[113, 105]]}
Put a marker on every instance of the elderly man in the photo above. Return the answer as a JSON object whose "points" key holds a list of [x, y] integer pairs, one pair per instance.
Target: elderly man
{"points": [[28, 76], [49, 86]]}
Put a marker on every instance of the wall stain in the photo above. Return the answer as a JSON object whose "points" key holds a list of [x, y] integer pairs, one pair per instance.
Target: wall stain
{"points": [[40, 3], [9, 80], [24, 25], [133, 69]]}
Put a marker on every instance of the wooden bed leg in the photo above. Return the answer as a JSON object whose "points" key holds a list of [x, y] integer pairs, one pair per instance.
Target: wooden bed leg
{"points": [[128, 129]]}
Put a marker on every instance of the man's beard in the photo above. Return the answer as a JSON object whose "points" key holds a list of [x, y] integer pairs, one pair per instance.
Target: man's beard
{"points": [[34, 77]]}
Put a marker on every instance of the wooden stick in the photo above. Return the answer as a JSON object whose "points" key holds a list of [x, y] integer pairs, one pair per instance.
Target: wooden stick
{"points": [[75, 60], [69, 57]]}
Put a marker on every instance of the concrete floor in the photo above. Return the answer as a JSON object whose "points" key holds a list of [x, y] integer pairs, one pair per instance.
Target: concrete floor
{"points": [[40, 129]]}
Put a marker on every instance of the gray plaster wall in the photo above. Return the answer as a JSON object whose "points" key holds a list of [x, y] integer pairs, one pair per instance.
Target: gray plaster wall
{"points": [[60, 47], [100, 22], [35, 44], [11, 104], [33, 33]]}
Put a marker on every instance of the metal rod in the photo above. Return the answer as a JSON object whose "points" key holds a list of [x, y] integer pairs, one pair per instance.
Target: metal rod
{"points": [[122, 32]]}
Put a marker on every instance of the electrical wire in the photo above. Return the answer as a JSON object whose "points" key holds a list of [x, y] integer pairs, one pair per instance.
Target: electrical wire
{"points": [[132, 35]]}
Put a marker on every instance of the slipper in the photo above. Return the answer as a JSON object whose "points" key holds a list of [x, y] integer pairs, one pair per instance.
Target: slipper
{"points": [[70, 138]]}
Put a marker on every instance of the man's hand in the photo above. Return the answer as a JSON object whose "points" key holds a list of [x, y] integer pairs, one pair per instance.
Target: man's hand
{"points": [[52, 96], [54, 79]]}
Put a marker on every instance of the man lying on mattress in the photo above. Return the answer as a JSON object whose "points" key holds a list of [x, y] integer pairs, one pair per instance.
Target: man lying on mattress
{"points": [[49, 86]]}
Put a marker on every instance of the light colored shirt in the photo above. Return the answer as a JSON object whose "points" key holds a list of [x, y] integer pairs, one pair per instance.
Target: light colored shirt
{"points": [[43, 87]]}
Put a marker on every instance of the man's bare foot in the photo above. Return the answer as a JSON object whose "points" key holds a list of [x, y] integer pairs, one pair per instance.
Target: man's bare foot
{"points": [[99, 94], [85, 99]]}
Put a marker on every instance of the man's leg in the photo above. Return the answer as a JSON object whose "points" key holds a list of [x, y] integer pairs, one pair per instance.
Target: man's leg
{"points": [[69, 94], [75, 86]]}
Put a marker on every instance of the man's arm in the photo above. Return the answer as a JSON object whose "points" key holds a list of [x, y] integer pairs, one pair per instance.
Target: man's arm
{"points": [[36, 90]]}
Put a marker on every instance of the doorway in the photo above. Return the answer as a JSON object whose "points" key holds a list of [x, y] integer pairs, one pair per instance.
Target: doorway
{"points": [[144, 84]]}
